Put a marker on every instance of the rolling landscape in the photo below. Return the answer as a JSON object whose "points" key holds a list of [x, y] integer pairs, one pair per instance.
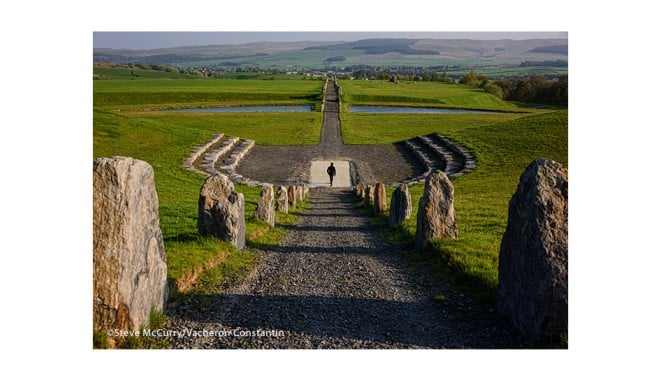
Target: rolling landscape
{"points": [[496, 58], [452, 284]]}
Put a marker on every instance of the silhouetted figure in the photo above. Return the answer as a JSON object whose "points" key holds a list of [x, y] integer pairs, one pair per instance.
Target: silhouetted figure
{"points": [[331, 172]]}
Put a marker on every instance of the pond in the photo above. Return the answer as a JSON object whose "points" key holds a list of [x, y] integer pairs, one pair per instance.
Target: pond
{"points": [[414, 110], [248, 109]]}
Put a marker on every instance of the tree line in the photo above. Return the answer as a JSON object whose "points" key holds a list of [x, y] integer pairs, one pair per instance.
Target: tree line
{"points": [[544, 63], [536, 89]]}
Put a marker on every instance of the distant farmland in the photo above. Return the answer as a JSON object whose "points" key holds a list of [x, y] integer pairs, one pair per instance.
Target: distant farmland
{"points": [[492, 57]]}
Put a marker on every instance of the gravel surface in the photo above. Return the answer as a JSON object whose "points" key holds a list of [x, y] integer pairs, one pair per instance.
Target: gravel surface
{"points": [[370, 163], [334, 283]]}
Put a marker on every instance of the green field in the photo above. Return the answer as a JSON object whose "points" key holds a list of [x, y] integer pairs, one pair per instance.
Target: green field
{"points": [[101, 73], [129, 121], [365, 128], [504, 145], [152, 94], [503, 151], [164, 139], [430, 94]]}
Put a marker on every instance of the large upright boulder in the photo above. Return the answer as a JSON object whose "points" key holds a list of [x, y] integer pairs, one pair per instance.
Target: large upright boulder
{"points": [[282, 201], [266, 206], [436, 217], [221, 211], [300, 193], [400, 206], [305, 190], [533, 262], [380, 199], [369, 196], [130, 270], [291, 193], [359, 190]]}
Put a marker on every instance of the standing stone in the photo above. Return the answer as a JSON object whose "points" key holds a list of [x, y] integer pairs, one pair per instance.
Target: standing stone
{"points": [[400, 206], [305, 190], [266, 206], [300, 193], [380, 199], [533, 262], [282, 202], [436, 217], [221, 211], [130, 270], [369, 196], [292, 197], [359, 190]]}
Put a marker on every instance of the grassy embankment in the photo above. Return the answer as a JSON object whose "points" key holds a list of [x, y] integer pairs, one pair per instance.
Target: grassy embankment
{"points": [[158, 94], [127, 123], [504, 144], [422, 94]]}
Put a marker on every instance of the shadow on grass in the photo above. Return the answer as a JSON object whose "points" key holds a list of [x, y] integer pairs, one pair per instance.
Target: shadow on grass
{"points": [[442, 265], [184, 238]]}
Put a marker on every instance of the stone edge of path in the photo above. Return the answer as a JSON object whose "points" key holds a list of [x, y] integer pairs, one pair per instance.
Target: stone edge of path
{"points": [[236, 148], [445, 152]]}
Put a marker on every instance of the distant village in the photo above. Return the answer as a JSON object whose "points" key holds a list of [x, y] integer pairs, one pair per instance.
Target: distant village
{"points": [[361, 72]]}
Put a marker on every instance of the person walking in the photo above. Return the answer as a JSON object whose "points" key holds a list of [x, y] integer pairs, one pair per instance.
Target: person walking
{"points": [[331, 172]]}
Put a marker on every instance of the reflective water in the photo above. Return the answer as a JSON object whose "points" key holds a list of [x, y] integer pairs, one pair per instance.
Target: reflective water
{"points": [[414, 110], [248, 109]]}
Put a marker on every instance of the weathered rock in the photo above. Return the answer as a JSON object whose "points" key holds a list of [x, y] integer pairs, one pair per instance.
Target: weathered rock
{"points": [[130, 270], [282, 202], [292, 197], [369, 196], [380, 199], [359, 190], [400, 206], [266, 206], [300, 193], [533, 262], [221, 211], [436, 217]]}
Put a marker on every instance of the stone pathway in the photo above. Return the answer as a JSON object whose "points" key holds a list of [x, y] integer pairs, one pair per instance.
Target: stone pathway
{"points": [[407, 162], [291, 164], [334, 283]]}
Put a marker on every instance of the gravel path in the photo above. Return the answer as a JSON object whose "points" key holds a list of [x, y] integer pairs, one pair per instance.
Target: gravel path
{"points": [[334, 283]]}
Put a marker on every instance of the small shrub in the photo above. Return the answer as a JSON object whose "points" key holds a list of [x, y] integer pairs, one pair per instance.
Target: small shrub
{"points": [[494, 90], [100, 340]]}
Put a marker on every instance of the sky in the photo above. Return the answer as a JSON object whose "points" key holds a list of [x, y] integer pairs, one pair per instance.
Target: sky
{"points": [[151, 40]]}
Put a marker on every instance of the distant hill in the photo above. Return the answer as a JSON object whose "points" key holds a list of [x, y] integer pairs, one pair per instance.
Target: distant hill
{"points": [[375, 52], [377, 46], [558, 49]]}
